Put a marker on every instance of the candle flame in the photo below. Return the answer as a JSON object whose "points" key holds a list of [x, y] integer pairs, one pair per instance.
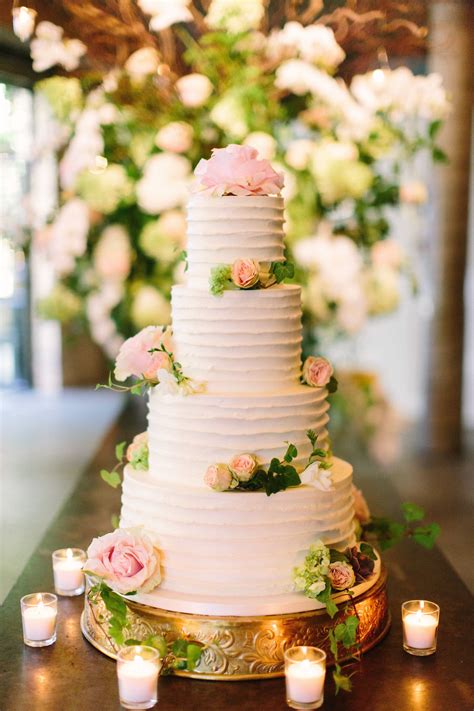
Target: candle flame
{"points": [[422, 605]]}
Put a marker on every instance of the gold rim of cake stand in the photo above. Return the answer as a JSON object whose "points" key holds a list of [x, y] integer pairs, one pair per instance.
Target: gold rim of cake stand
{"points": [[372, 606]]}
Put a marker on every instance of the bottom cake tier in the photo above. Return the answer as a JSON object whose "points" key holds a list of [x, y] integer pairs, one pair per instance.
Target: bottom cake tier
{"points": [[250, 647]]}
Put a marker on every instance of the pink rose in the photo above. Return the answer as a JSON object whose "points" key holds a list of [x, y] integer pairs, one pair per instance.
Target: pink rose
{"points": [[413, 192], [137, 451], [134, 357], [176, 137], [126, 559], [236, 170], [387, 253], [317, 371], [219, 477], [361, 508], [194, 89], [245, 273], [243, 466], [341, 575]]}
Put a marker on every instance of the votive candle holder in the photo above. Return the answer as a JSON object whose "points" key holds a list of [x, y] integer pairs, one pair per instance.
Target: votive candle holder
{"points": [[67, 571], [138, 668], [39, 613], [420, 620], [305, 672]]}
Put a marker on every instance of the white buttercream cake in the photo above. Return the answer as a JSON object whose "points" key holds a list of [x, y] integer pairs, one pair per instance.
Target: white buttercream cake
{"points": [[234, 552]]}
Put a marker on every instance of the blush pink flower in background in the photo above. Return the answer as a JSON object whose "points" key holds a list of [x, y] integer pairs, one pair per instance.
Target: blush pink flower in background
{"points": [[135, 358], [317, 371], [219, 477], [341, 575], [361, 508], [236, 170], [126, 559], [245, 273], [243, 466]]}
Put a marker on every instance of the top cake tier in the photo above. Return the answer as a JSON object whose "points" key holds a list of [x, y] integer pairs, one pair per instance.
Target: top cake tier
{"points": [[223, 229]]}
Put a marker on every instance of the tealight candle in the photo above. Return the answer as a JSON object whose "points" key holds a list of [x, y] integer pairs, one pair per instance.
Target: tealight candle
{"points": [[39, 613], [420, 627], [137, 671], [67, 571], [305, 671]]}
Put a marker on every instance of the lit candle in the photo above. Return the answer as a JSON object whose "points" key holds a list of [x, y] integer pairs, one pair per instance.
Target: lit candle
{"points": [[67, 571], [305, 671], [39, 614], [137, 671], [420, 627]]}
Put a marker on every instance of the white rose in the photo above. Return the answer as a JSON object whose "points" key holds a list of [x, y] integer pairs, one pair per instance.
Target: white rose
{"points": [[166, 12], [382, 289], [143, 62], [149, 307], [164, 184], [299, 152], [194, 89], [263, 142], [176, 137]]}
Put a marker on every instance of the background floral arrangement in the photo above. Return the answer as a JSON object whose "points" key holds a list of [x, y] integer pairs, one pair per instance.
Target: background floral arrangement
{"points": [[128, 141]]}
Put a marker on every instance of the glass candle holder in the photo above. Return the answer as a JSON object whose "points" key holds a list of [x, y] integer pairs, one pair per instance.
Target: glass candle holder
{"points": [[138, 668], [305, 671], [67, 570], [420, 627], [39, 612]]}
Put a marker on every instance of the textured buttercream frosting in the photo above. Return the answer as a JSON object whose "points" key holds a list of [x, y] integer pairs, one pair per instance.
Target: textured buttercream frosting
{"points": [[241, 341], [223, 229], [237, 543]]}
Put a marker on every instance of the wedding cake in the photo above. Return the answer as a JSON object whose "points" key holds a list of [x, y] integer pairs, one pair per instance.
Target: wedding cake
{"points": [[236, 400]]}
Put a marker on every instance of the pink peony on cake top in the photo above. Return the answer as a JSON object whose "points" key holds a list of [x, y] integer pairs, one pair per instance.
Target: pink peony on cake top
{"points": [[236, 170]]}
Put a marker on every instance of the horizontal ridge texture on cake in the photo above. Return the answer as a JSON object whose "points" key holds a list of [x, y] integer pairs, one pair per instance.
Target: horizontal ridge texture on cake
{"points": [[239, 341], [237, 543], [223, 229], [187, 434]]}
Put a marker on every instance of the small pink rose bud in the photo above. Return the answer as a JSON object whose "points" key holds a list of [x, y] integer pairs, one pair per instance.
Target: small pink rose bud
{"points": [[243, 466], [341, 575], [218, 477], [317, 371], [245, 273]]}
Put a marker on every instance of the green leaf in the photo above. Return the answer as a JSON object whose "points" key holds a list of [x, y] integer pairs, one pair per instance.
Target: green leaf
{"points": [[119, 450], [326, 599], [282, 270], [193, 655], [159, 643], [333, 644], [346, 632], [290, 453], [434, 128], [111, 478], [426, 535], [115, 521], [412, 512], [133, 642], [367, 550], [336, 556], [332, 385], [341, 681], [312, 436], [439, 156], [180, 648], [137, 389]]}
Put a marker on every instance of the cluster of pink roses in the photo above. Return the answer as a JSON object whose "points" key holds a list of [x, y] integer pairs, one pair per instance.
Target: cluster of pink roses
{"points": [[317, 371], [126, 559], [141, 357], [236, 170], [222, 477]]}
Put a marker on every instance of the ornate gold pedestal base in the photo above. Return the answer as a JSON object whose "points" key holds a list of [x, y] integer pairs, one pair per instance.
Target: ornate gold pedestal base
{"points": [[245, 647]]}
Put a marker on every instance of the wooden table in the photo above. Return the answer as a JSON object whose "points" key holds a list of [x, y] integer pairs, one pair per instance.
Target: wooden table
{"points": [[72, 676]]}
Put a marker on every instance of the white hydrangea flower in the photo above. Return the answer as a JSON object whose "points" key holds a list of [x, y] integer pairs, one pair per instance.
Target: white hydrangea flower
{"points": [[68, 235], [263, 142], [143, 62], [235, 16], [164, 184], [314, 43], [166, 13], [48, 48]]}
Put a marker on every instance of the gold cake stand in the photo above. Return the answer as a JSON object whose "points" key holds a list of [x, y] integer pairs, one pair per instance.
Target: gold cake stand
{"points": [[238, 648]]}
